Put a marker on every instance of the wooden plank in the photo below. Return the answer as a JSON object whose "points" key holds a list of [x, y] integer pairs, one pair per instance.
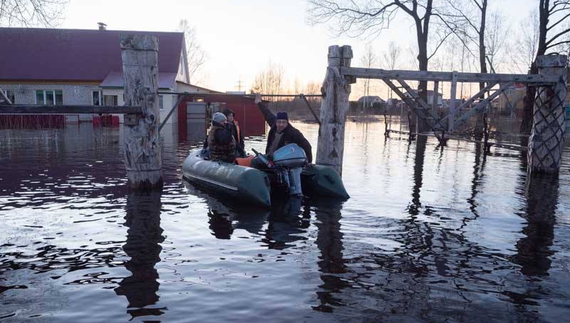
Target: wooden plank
{"points": [[422, 113], [452, 108], [411, 103], [471, 100], [451, 137], [476, 96], [414, 94], [427, 112], [479, 107], [435, 96], [534, 79], [66, 109]]}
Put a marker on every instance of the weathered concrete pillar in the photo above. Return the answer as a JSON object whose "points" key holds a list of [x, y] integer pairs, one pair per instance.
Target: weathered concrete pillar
{"points": [[334, 107], [142, 143], [546, 141]]}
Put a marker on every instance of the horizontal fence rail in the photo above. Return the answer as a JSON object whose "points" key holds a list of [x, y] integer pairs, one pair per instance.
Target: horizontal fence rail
{"points": [[67, 109], [242, 95], [373, 73]]}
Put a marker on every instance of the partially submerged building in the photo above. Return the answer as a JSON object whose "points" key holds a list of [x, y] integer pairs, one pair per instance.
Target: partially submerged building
{"points": [[84, 67]]}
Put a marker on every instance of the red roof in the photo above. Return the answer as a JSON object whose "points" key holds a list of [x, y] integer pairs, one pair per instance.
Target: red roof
{"points": [[74, 55], [116, 80]]}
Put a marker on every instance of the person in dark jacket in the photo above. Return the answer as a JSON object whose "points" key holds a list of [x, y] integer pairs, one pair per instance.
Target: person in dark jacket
{"points": [[282, 132], [234, 128], [220, 141]]}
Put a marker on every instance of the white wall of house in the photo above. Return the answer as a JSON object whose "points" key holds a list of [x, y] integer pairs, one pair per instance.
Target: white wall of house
{"points": [[165, 107], [73, 94]]}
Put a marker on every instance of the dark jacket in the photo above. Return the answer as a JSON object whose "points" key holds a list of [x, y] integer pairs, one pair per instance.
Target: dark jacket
{"points": [[236, 132], [290, 134], [221, 143]]}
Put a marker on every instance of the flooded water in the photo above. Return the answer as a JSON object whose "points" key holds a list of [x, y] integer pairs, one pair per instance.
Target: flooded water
{"points": [[429, 235]]}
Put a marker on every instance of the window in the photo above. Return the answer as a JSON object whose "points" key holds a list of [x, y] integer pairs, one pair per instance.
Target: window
{"points": [[49, 97], [96, 98], [110, 100], [161, 102], [10, 95]]}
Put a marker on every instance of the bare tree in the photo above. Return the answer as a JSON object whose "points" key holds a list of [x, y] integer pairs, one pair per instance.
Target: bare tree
{"points": [[527, 43], [495, 39], [269, 81], [467, 19], [313, 88], [30, 13], [362, 17], [552, 36], [368, 60], [391, 57], [195, 54]]}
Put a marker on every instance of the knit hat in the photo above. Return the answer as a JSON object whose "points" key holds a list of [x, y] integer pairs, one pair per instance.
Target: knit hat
{"points": [[228, 111], [219, 117], [281, 115]]}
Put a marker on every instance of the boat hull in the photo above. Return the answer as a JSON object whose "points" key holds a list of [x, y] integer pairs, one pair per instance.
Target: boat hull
{"points": [[322, 181], [250, 185]]}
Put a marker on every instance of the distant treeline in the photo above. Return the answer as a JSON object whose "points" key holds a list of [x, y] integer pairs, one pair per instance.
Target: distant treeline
{"points": [[297, 109]]}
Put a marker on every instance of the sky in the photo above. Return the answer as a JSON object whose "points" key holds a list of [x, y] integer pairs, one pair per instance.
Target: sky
{"points": [[242, 37]]}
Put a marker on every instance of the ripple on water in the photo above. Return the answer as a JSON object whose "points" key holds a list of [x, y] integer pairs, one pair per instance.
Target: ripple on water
{"points": [[429, 234]]}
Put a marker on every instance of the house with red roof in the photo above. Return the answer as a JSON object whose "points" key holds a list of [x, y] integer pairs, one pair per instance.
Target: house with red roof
{"points": [[83, 67]]}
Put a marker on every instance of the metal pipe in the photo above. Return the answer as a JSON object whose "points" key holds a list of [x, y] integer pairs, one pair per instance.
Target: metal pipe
{"points": [[310, 108], [180, 98], [67, 109], [242, 95]]}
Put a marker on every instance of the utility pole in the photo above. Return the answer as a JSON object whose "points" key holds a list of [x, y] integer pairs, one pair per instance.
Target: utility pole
{"points": [[239, 84]]}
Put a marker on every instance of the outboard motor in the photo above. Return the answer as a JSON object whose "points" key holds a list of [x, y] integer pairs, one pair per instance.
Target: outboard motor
{"points": [[289, 161]]}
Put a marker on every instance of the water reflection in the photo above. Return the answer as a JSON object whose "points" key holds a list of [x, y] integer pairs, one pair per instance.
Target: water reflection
{"points": [[144, 236], [533, 251], [225, 217], [447, 235], [331, 264], [416, 204], [478, 174], [287, 223]]}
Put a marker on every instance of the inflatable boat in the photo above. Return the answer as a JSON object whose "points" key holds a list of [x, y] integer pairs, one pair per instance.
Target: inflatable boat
{"points": [[255, 186]]}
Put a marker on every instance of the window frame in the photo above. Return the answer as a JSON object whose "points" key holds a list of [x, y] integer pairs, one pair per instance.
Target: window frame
{"points": [[45, 94], [100, 95]]}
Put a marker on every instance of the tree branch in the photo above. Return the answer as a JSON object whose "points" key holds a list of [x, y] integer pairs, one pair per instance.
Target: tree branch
{"points": [[439, 45], [556, 36], [558, 43], [558, 22]]}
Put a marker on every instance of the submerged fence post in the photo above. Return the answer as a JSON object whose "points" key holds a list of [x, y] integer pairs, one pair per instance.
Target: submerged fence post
{"points": [[546, 140], [334, 107], [142, 143]]}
